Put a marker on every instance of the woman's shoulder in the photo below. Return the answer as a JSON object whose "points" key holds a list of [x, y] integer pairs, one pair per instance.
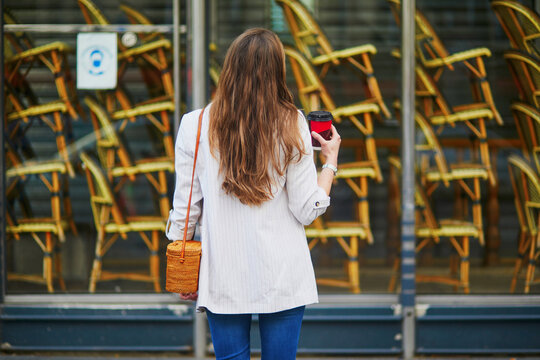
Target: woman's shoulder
{"points": [[302, 122], [190, 119]]}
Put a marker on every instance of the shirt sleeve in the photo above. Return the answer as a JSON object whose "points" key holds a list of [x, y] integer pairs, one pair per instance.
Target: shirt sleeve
{"points": [[183, 166], [307, 200]]}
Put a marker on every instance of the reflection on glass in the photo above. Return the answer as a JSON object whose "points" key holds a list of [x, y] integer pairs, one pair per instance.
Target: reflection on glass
{"points": [[474, 236], [76, 187]]}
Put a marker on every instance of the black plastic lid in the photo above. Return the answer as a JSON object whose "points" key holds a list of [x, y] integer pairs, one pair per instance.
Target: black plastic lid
{"points": [[320, 116]]}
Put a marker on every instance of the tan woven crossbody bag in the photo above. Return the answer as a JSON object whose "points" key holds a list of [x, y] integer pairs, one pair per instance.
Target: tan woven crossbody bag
{"points": [[184, 256]]}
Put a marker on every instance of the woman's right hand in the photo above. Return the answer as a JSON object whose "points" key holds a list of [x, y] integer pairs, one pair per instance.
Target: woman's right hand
{"points": [[329, 148], [189, 296]]}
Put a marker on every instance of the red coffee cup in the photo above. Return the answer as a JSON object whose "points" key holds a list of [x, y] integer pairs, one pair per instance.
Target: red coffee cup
{"points": [[321, 123]]}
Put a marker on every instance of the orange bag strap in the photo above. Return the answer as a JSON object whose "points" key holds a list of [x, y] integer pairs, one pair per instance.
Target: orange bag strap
{"points": [[191, 187]]}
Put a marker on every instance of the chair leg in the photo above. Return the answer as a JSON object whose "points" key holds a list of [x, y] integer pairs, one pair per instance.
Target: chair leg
{"points": [[96, 266], [531, 266], [477, 210], [373, 86], [354, 271], [486, 90], [454, 262], [154, 261], [484, 152], [57, 260], [522, 249], [47, 262], [363, 209], [393, 278], [61, 142], [371, 147], [164, 203], [167, 135], [464, 268], [166, 77], [67, 205], [55, 205]]}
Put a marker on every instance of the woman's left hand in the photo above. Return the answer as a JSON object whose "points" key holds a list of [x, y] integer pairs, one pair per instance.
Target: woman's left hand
{"points": [[189, 296]]}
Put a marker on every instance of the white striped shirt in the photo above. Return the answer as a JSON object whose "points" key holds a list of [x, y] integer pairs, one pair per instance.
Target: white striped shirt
{"points": [[255, 259]]}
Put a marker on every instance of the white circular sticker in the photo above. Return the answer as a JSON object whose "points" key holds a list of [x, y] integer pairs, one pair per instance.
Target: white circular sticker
{"points": [[129, 39]]}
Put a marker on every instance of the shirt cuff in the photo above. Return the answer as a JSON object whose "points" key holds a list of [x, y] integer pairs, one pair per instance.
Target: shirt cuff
{"points": [[173, 232], [321, 204]]}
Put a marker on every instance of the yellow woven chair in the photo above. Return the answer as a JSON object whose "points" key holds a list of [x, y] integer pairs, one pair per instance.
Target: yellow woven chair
{"points": [[117, 163], [434, 56], [24, 118], [526, 186], [47, 232], [466, 175], [22, 105], [111, 225], [150, 57], [314, 96], [527, 120], [137, 18], [520, 23], [154, 78], [440, 113], [526, 73], [312, 43], [347, 233], [24, 54], [429, 230]]}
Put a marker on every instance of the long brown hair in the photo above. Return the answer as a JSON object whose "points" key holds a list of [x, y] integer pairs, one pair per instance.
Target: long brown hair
{"points": [[253, 120]]}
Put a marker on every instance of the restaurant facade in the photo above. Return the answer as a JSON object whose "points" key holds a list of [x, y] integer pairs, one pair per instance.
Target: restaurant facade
{"points": [[430, 245]]}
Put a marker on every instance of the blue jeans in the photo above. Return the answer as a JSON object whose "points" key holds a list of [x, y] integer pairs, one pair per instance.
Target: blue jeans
{"points": [[280, 332]]}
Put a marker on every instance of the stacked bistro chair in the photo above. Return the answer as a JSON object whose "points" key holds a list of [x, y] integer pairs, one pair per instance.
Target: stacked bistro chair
{"points": [[429, 230], [434, 56], [525, 71], [49, 232], [437, 110], [526, 186], [527, 120], [155, 79], [151, 57], [49, 226], [312, 43], [24, 108], [466, 175], [116, 160], [520, 23], [314, 96], [111, 224]]}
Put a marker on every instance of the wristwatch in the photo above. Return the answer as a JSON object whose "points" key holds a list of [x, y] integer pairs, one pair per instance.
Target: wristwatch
{"points": [[331, 167]]}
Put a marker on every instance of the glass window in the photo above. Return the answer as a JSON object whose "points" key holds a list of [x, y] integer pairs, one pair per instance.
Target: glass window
{"points": [[475, 142], [351, 248], [89, 172], [467, 136]]}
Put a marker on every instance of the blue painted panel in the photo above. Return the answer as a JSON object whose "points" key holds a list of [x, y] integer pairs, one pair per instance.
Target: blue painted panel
{"points": [[470, 330], [60, 328], [369, 329], [350, 330]]}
